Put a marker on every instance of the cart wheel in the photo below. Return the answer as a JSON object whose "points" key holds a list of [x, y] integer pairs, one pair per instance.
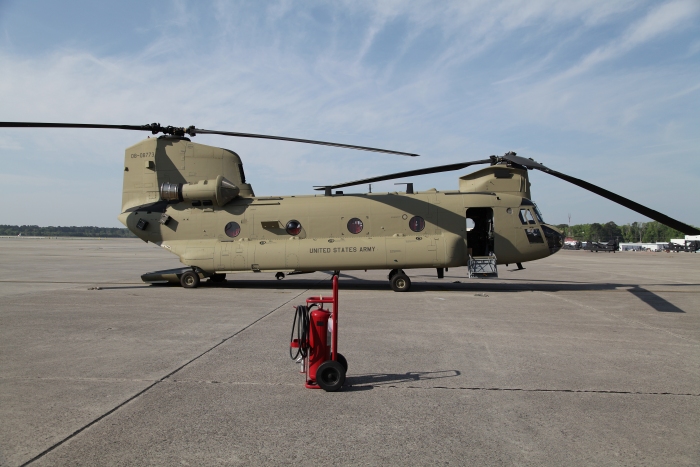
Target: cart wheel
{"points": [[330, 376], [189, 280], [340, 359], [400, 282]]}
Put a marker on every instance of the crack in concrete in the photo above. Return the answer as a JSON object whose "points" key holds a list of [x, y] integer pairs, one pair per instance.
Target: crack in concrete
{"points": [[232, 383], [463, 388], [160, 380], [76, 378], [583, 391]]}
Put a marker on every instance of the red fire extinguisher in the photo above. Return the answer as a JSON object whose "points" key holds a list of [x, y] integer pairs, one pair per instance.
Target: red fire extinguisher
{"points": [[316, 343]]}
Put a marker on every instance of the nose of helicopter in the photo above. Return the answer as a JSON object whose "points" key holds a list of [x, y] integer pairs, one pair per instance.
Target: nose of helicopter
{"points": [[555, 239], [122, 218]]}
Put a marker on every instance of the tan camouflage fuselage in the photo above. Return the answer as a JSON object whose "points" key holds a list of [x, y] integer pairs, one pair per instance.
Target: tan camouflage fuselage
{"points": [[195, 231]]}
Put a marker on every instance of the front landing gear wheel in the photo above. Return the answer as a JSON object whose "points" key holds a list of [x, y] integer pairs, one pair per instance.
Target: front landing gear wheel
{"points": [[400, 282], [189, 280], [330, 376]]}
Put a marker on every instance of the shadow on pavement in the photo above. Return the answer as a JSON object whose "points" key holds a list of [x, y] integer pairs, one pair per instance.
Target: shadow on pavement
{"points": [[349, 282], [654, 301], [372, 380]]}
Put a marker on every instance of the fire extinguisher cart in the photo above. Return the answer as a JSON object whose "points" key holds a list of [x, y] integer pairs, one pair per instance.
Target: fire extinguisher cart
{"points": [[316, 343]]}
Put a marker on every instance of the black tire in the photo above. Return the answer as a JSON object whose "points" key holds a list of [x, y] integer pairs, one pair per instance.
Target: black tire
{"points": [[343, 362], [217, 278], [400, 283], [330, 376], [392, 273], [189, 280]]}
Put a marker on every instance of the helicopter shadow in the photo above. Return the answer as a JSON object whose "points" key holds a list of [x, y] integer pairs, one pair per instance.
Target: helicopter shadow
{"points": [[655, 301], [350, 282], [373, 380]]}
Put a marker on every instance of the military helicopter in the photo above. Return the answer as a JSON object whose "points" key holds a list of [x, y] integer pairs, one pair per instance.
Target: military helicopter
{"points": [[194, 201]]}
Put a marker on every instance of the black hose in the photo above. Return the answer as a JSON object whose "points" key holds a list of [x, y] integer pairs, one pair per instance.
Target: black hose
{"points": [[301, 324]]}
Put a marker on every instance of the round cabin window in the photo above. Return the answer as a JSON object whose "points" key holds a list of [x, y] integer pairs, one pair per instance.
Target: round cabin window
{"points": [[355, 225], [417, 223], [294, 228], [232, 229]]}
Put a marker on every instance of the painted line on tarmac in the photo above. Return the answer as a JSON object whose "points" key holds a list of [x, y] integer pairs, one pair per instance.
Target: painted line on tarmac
{"points": [[73, 282], [629, 320], [162, 379], [636, 276]]}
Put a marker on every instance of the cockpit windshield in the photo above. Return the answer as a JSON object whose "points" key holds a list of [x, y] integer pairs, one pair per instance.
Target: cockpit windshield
{"points": [[538, 214], [526, 217]]}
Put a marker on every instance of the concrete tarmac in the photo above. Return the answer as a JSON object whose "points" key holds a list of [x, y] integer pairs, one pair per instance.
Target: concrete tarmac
{"points": [[580, 359]]}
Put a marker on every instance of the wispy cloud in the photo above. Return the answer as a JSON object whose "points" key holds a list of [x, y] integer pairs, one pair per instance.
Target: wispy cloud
{"points": [[660, 20], [452, 81]]}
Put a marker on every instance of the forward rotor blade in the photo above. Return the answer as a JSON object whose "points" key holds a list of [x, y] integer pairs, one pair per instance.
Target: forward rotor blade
{"points": [[299, 140], [628, 203], [409, 173]]}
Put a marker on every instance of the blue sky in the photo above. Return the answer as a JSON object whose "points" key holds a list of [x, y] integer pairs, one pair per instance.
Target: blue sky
{"points": [[604, 91]]}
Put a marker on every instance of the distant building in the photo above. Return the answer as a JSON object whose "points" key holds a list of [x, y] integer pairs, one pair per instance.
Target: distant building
{"points": [[655, 246], [571, 242], [688, 238]]}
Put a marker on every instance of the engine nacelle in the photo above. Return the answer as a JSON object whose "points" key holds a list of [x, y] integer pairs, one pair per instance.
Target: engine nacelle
{"points": [[219, 191]]}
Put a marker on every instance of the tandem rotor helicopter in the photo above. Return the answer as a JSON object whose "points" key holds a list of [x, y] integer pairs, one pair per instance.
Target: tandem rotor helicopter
{"points": [[194, 201]]}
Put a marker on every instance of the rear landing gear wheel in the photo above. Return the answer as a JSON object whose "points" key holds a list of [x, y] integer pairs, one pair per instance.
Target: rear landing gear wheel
{"points": [[330, 376], [400, 282], [189, 280]]}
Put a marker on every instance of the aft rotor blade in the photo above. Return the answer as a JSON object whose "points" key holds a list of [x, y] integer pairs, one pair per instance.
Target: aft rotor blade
{"points": [[299, 140], [192, 131], [150, 127], [409, 173], [621, 200]]}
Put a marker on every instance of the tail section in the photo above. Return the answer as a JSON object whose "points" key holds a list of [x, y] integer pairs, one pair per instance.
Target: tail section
{"points": [[170, 169]]}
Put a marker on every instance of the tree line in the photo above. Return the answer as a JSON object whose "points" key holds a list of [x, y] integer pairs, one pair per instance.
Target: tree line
{"points": [[634, 232], [36, 231], [645, 232]]}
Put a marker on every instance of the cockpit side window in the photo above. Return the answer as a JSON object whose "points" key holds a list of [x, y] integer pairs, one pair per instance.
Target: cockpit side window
{"points": [[526, 217]]}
